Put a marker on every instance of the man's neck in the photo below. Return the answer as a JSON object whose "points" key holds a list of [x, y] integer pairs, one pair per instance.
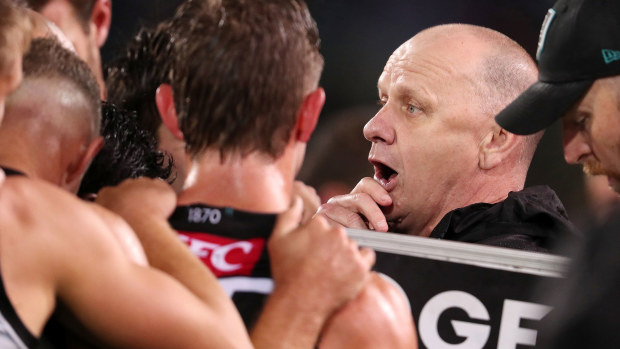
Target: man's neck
{"points": [[255, 183], [480, 190], [18, 159]]}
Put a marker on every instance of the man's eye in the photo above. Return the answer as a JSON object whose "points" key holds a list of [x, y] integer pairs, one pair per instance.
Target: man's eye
{"points": [[582, 120], [411, 109]]}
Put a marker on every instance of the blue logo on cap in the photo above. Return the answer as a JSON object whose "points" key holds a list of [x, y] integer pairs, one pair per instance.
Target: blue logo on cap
{"points": [[543, 32], [610, 56]]}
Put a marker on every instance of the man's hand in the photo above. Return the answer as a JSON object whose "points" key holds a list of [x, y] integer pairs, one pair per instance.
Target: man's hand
{"points": [[316, 269], [310, 199], [151, 197], [317, 259], [379, 317], [361, 208]]}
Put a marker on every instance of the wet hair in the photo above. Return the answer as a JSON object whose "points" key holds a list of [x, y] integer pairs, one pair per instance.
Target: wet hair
{"points": [[133, 78], [48, 59], [82, 8], [241, 71], [128, 152], [15, 28]]}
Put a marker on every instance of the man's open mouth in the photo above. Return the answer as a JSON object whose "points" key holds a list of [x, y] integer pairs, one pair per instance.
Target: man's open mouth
{"points": [[385, 175]]}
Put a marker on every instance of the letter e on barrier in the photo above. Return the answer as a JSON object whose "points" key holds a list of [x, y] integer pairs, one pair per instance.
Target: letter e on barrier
{"points": [[510, 333]]}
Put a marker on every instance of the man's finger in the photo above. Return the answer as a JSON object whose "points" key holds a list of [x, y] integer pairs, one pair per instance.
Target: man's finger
{"points": [[341, 216], [289, 220], [368, 256], [375, 190]]}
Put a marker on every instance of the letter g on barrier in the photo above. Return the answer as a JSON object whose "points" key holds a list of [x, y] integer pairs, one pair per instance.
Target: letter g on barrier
{"points": [[476, 334]]}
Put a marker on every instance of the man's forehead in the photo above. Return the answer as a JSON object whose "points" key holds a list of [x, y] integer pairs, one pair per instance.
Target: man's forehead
{"points": [[420, 63]]}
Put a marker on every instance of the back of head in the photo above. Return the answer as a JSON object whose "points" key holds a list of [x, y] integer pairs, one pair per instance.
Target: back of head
{"points": [[47, 59], [241, 71], [51, 128], [134, 77]]}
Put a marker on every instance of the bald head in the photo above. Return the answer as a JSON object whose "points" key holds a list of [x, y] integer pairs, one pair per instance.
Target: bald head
{"points": [[435, 132], [498, 68]]}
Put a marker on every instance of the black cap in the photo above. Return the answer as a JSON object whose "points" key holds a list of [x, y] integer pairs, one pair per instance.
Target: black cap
{"points": [[579, 42]]}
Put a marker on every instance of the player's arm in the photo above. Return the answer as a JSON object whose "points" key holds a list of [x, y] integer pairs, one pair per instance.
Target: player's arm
{"points": [[128, 305], [124, 235], [361, 208], [379, 317], [56, 247], [146, 205], [316, 269]]}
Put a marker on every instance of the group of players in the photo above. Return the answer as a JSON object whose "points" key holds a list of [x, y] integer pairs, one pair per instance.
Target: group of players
{"points": [[228, 250]]}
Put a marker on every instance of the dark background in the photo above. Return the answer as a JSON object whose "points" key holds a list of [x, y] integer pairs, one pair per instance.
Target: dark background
{"points": [[359, 36]]}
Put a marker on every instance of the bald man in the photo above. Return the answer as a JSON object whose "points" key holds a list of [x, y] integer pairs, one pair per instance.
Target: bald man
{"points": [[443, 168]]}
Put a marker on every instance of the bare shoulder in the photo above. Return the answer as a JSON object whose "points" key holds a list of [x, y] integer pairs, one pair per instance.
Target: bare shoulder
{"points": [[41, 233], [53, 223], [123, 233], [387, 320]]}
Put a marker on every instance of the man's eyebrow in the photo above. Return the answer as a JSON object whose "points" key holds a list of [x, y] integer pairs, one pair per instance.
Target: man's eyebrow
{"points": [[415, 93]]}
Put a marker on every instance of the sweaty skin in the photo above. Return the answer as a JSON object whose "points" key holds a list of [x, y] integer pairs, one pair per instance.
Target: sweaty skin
{"points": [[74, 258]]}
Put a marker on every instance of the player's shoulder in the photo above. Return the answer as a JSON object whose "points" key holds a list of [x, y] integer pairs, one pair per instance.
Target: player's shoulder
{"points": [[40, 210]]}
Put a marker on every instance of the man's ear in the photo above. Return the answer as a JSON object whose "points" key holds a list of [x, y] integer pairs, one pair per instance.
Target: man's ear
{"points": [[78, 167], [164, 99], [495, 147], [100, 20], [308, 114]]}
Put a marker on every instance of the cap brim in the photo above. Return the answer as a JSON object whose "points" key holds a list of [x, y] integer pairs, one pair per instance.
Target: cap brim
{"points": [[540, 105]]}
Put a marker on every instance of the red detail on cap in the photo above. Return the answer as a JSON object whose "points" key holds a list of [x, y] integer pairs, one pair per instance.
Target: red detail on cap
{"points": [[225, 256]]}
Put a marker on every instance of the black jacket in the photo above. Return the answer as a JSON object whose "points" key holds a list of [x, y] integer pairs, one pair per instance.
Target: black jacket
{"points": [[532, 219]]}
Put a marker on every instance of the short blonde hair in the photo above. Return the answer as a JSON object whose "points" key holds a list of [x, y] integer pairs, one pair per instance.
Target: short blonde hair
{"points": [[15, 29]]}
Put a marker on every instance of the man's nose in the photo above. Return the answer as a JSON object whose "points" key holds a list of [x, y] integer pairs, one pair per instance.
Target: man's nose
{"points": [[380, 127], [576, 146]]}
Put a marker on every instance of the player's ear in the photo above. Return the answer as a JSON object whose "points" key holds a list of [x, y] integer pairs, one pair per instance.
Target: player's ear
{"points": [[308, 114], [164, 99], [77, 168], [100, 20], [495, 147]]}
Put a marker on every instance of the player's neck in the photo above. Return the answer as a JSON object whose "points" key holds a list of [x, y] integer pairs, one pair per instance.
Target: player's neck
{"points": [[17, 155], [254, 183]]}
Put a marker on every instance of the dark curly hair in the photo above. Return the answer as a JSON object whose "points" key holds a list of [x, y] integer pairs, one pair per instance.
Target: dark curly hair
{"points": [[133, 77], [128, 152]]}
